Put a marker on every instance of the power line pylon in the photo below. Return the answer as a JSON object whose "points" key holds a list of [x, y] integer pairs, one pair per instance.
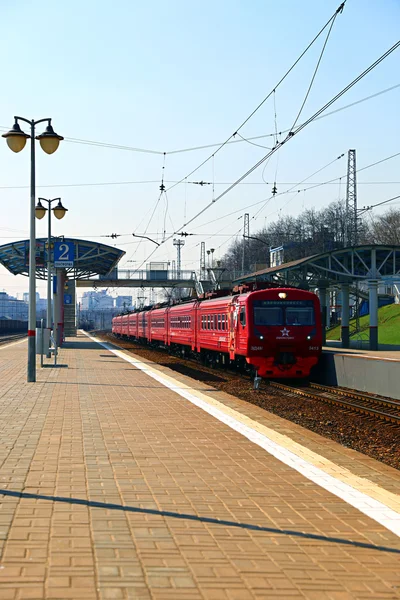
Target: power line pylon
{"points": [[352, 223], [351, 201]]}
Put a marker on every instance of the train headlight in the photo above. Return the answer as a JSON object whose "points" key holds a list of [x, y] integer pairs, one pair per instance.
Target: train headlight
{"points": [[282, 295], [261, 337], [309, 337]]}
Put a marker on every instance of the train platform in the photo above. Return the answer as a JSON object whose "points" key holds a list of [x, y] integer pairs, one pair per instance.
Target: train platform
{"points": [[373, 371], [122, 479], [386, 351]]}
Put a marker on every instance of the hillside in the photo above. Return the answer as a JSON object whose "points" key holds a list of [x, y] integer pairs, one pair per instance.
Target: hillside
{"points": [[388, 330]]}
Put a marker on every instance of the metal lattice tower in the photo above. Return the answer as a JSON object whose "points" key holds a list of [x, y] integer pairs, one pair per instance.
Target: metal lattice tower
{"points": [[203, 260], [246, 233], [351, 200], [178, 243]]}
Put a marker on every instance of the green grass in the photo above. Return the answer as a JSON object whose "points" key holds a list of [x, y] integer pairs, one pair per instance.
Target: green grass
{"points": [[388, 326]]}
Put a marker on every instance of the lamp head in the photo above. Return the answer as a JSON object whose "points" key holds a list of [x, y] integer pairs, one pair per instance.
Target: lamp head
{"points": [[16, 138], [40, 210], [59, 210], [49, 139]]}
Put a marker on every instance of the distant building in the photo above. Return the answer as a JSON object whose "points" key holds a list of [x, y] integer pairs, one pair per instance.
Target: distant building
{"points": [[11, 308], [97, 301], [41, 304], [123, 301]]}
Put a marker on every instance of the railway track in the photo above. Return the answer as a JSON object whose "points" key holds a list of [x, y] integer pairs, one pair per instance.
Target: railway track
{"points": [[379, 408], [7, 338]]}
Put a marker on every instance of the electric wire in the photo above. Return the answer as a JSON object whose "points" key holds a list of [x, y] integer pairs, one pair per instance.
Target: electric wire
{"points": [[214, 145], [329, 182], [315, 70], [291, 134], [300, 182], [332, 18], [380, 203]]}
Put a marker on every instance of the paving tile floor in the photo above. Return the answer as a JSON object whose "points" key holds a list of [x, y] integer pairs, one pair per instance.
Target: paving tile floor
{"points": [[111, 486]]}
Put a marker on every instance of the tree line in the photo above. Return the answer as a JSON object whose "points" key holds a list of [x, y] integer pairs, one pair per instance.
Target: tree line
{"points": [[312, 232]]}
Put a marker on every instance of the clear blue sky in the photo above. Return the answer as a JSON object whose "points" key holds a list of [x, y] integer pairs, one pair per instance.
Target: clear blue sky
{"points": [[170, 75]]}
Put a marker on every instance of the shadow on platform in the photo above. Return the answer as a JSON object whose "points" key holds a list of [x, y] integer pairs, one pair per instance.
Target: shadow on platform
{"points": [[80, 346], [199, 519]]}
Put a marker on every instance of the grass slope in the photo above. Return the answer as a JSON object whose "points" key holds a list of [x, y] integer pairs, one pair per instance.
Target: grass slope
{"points": [[388, 326]]}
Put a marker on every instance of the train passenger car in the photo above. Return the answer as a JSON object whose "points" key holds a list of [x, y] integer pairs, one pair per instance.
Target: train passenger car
{"points": [[143, 325], [158, 328], [116, 325], [124, 326], [182, 325], [284, 332], [213, 328], [133, 324]]}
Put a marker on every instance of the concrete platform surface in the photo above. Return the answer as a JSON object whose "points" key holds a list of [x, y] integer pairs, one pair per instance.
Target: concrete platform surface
{"points": [[122, 479], [384, 352]]}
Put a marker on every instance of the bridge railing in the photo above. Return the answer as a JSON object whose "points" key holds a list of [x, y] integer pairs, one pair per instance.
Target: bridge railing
{"points": [[161, 275]]}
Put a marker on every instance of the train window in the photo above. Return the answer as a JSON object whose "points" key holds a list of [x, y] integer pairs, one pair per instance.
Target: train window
{"points": [[300, 316], [242, 316], [219, 322], [268, 316]]}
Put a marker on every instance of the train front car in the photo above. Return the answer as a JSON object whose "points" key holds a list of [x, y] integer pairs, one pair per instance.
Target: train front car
{"points": [[284, 332]]}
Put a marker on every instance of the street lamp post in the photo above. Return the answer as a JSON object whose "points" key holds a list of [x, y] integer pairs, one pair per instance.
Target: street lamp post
{"points": [[59, 212], [49, 141]]}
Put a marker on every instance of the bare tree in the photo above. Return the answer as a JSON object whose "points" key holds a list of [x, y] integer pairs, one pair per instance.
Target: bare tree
{"points": [[386, 227]]}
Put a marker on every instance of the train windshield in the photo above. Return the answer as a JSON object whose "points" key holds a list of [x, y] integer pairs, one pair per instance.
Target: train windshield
{"points": [[283, 312]]}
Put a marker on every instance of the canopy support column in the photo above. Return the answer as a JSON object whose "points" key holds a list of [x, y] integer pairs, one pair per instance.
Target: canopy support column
{"points": [[345, 322], [373, 314]]}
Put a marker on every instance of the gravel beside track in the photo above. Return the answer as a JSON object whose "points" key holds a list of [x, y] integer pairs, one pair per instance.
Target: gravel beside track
{"points": [[377, 439]]}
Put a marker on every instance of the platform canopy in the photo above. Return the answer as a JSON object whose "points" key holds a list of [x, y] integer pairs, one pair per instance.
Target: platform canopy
{"points": [[345, 265], [90, 258]]}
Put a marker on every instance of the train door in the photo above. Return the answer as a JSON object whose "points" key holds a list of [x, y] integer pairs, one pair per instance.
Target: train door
{"points": [[150, 331], [241, 330], [233, 322]]}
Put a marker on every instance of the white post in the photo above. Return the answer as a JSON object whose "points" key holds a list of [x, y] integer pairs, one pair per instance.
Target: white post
{"points": [[373, 314], [345, 331]]}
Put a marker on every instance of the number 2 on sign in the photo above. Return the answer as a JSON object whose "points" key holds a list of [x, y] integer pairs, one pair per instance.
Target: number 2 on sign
{"points": [[64, 252]]}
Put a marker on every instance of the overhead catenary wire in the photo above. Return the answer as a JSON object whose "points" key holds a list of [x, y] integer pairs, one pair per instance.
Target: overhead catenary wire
{"points": [[329, 182], [300, 182], [380, 203], [332, 18], [291, 134], [316, 68], [205, 146]]}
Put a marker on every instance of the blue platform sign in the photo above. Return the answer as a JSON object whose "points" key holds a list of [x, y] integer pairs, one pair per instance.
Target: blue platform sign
{"points": [[67, 298], [64, 254]]}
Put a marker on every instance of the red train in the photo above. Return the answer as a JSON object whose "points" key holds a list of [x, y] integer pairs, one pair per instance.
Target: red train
{"points": [[276, 332]]}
